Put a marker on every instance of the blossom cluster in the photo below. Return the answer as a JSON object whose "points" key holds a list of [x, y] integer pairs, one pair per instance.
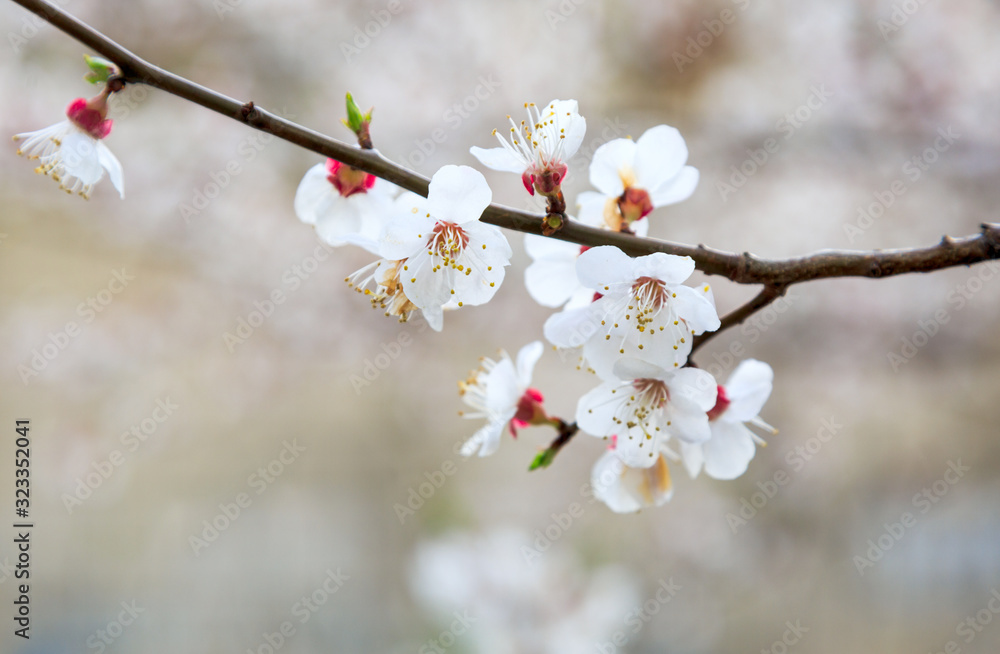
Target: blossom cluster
{"points": [[632, 320]]}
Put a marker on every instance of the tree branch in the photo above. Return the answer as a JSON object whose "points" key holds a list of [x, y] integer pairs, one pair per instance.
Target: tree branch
{"points": [[776, 275], [768, 295]]}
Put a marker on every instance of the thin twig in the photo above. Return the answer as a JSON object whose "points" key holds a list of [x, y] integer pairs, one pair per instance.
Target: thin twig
{"points": [[767, 295]]}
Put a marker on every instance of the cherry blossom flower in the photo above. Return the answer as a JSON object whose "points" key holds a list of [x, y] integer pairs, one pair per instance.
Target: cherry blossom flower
{"points": [[551, 277], [380, 282], [71, 151], [627, 490], [646, 406], [643, 310], [500, 392], [449, 255], [635, 177], [728, 452], [539, 147], [342, 201]]}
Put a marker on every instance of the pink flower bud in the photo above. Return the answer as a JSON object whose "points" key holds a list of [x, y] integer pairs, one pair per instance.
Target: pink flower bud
{"points": [[347, 179], [91, 115]]}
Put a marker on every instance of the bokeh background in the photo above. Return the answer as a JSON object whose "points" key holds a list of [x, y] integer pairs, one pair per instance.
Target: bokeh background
{"points": [[870, 97]]}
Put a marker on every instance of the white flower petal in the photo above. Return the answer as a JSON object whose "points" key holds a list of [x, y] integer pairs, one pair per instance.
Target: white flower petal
{"points": [[606, 484], [405, 236], [500, 159], [488, 265], [748, 389], [113, 166], [544, 247], [434, 317], [581, 298], [313, 191], [458, 194], [591, 205], [636, 448], [669, 268], [572, 328], [676, 189], [695, 386], [502, 391], [79, 157], [572, 124], [551, 277], [596, 411], [660, 154], [630, 368], [610, 161], [526, 360], [486, 440], [729, 451], [602, 266], [423, 287], [696, 308], [687, 421], [693, 457]]}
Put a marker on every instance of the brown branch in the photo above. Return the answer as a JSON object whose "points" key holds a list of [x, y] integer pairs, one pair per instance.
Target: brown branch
{"points": [[567, 430], [743, 269], [767, 295]]}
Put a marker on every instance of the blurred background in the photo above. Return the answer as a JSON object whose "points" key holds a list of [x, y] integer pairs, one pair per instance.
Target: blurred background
{"points": [[248, 497]]}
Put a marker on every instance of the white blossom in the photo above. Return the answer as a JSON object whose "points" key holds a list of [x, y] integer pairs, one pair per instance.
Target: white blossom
{"points": [[539, 147], [446, 254], [644, 311], [71, 151], [647, 405], [634, 177], [342, 202], [727, 453], [500, 392]]}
